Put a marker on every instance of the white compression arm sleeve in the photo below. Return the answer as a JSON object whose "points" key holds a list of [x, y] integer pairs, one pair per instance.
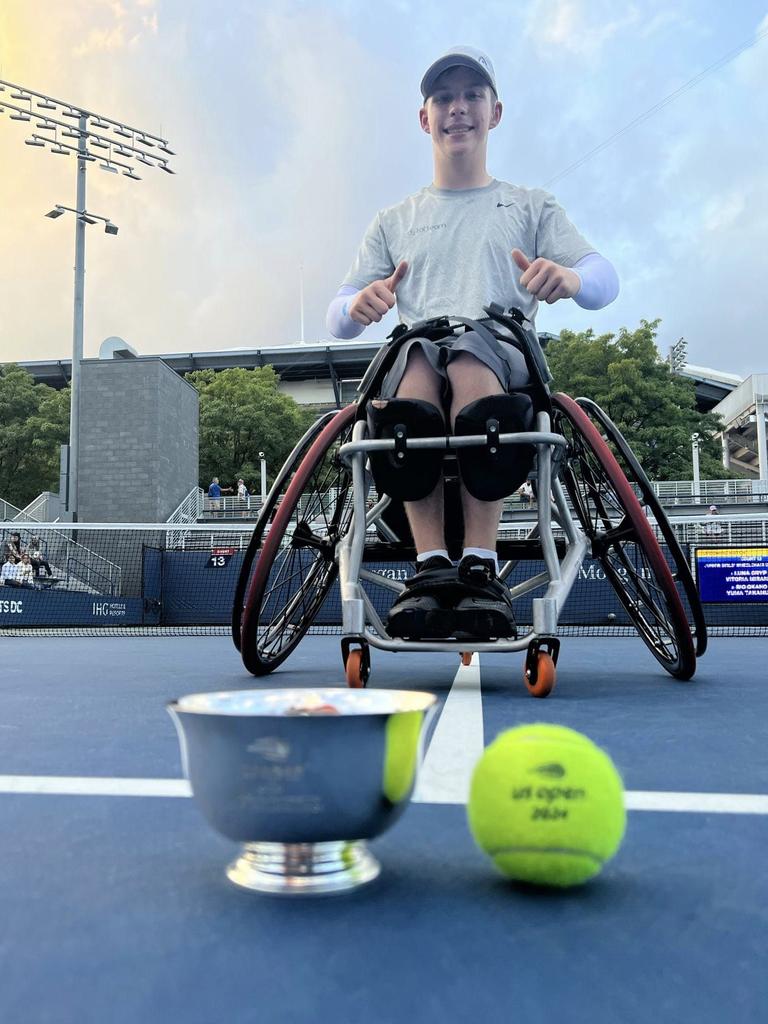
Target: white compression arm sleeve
{"points": [[337, 320], [599, 281]]}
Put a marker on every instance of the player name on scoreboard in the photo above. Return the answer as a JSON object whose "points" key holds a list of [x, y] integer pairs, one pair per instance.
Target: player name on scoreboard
{"points": [[728, 575]]}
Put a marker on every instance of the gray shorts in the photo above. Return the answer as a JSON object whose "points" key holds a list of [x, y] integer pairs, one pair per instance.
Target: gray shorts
{"points": [[506, 361]]}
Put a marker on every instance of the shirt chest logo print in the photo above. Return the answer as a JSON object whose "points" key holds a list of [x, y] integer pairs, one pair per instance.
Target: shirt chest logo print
{"points": [[427, 227], [504, 204]]}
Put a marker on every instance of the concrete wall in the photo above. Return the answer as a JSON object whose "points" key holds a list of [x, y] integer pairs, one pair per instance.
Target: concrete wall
{"points": [[138, 441]]}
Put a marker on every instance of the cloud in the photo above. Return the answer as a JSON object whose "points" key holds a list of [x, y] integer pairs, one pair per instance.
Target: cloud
{"points": [[574, 26], [128, 26]]}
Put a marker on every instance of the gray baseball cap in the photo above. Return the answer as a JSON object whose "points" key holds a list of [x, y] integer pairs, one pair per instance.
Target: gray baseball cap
{"points": [[459, 56]]}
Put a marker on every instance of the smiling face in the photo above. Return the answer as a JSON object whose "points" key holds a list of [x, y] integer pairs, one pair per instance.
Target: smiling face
{"points": [[459, 114]]}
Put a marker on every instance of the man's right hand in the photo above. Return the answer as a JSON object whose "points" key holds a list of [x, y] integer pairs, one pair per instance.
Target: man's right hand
{"points": [[373, 303]]}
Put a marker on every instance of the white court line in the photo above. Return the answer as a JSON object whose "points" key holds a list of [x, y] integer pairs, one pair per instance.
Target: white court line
{"points": [[699, 803], [635, 800], [457, 742], [65, 785]]}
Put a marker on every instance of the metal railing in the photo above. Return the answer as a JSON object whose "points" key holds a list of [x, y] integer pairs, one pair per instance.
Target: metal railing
{"points": [[689, 492], [35, 510], [89, 576], [230, 506], [721, 531], [190, 510], [8, 511]]}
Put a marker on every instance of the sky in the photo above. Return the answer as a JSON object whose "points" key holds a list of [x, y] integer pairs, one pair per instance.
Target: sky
{"points": [[294, 122]]}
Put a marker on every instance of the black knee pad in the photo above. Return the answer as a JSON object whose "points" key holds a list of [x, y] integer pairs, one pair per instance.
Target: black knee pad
{"points": [[494, 471], [406, 474]]}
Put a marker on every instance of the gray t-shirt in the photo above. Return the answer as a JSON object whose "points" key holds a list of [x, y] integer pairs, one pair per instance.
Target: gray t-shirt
{"points": [[458, 245]]}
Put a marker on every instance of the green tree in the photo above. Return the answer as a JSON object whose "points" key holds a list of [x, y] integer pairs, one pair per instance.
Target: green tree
{"points": [[34, 422], [654, 408], [242, 413]]}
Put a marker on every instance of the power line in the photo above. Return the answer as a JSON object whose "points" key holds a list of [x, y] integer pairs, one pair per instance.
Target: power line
{"points": [[658, 106]]}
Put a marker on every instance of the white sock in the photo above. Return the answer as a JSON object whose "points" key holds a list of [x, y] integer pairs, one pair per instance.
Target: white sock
{"points": [[442, 552], [483, 553]]}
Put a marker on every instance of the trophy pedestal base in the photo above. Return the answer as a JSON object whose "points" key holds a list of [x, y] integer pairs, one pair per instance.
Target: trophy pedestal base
{"points": [[303, 869]]}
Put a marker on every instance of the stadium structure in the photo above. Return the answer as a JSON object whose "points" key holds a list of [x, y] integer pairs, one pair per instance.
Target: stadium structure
{"points": [[325, 375]]}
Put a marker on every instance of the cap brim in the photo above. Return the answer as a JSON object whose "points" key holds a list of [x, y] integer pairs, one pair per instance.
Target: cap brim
{"points": [[457, 61]]}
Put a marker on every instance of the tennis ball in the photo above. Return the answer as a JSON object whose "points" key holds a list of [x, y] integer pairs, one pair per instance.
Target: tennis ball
{"points": [[402, 750], [547, 805]]}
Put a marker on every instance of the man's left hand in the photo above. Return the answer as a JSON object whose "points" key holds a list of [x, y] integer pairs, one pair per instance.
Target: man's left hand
{"points": [[547, 280]]}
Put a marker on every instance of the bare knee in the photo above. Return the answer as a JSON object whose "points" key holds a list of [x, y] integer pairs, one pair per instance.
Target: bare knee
{"points": [[420, 380], [470, 380]]}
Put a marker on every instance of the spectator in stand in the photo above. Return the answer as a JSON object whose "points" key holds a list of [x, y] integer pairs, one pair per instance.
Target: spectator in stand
{"points": [[526, 494], [25, 577], [8, 573], [713, 528], [243, 497], [12, 549], [37, 557], [215, 491]]}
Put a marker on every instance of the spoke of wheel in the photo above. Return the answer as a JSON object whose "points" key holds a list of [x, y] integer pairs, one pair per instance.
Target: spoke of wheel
{"points": [[598, 503], [274, 628], [302, 566], [644, 601]]}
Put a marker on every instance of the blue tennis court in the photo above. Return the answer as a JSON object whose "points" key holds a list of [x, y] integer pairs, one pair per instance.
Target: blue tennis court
{"points": [[116, 906]]}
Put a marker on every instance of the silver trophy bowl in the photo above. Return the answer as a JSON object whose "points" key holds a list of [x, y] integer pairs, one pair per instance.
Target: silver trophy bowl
{"points": [[302, 778]]}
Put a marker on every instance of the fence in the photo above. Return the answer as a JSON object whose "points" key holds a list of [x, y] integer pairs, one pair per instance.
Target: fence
{"points": [[158, 576], [688, 492]]}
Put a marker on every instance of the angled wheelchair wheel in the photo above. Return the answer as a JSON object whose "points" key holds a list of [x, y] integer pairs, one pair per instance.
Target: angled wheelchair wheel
{"points": [[308, 510], [623, 541], [634, 472], [267, 515]]}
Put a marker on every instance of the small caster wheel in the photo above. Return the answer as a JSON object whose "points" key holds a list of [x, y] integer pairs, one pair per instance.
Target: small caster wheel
{"points": [[466, 657], [539, 674], [357, 670]]}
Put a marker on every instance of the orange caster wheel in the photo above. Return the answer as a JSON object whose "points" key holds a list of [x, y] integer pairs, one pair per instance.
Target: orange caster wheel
{"points": [[466, 657], [357, 670], [540, 674]]}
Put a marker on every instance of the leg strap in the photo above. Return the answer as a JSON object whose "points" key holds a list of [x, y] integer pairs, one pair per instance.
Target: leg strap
{"points": [[494, 470], [405, 473]]}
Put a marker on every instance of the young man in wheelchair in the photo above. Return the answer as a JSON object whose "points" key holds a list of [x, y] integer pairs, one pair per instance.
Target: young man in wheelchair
{"points": [[456, 246]]}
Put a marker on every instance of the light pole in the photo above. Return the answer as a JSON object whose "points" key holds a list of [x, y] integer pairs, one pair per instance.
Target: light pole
{"points": [[301, 299], [97, 138], [263, 475], [696, 475], [83, 218]]}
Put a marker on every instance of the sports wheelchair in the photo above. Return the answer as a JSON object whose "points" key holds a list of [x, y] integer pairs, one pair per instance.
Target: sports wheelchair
{"points": [[325, 520]]}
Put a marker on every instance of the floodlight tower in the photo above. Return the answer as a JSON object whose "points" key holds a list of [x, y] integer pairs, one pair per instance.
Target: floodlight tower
{"points": [[93, 133], [678, 354]]}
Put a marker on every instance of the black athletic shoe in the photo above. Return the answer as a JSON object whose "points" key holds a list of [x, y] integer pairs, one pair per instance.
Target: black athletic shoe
{"points": [[435, 562], [420, 615], [473, 569], [488, 614]]}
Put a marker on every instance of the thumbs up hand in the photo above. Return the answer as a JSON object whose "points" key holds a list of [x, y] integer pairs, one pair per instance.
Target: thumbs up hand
{"points": [[546, 280], [373, 303]]}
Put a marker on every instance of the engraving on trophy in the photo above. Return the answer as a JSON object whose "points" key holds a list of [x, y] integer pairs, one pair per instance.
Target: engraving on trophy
{"points": [[273, 772], [282, 803], [271, 748]]}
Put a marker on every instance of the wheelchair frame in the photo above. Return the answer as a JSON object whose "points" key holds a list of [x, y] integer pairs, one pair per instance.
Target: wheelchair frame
{"points": [[579, 455], [357, 608]]}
